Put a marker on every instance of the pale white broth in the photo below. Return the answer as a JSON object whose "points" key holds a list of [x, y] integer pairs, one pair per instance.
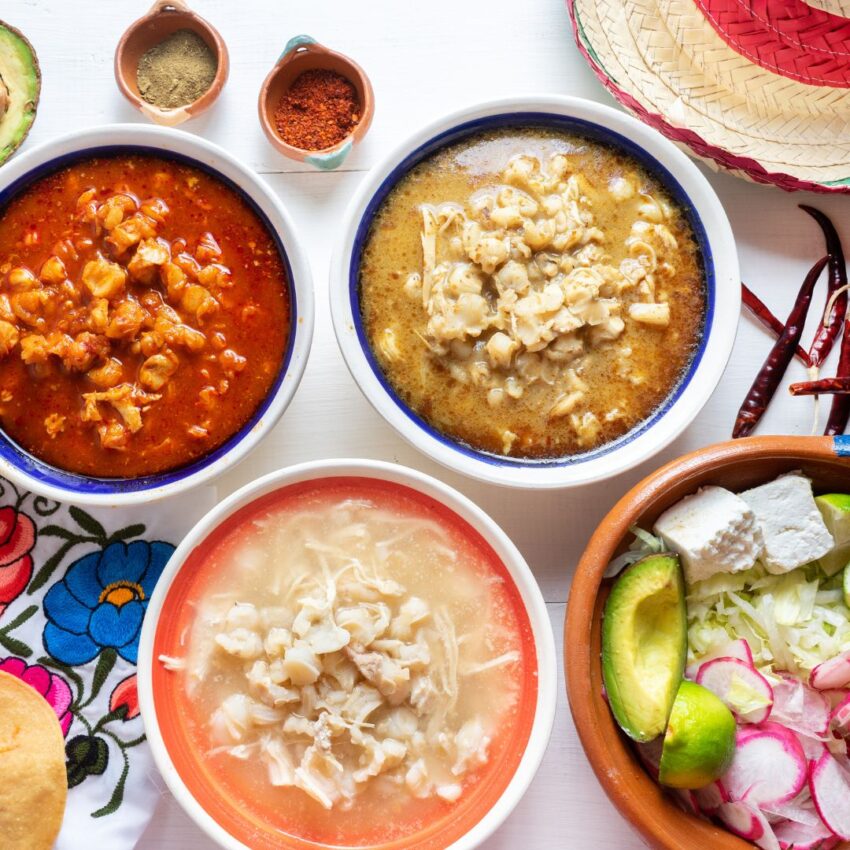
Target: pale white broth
{"points": [[351, 649]]}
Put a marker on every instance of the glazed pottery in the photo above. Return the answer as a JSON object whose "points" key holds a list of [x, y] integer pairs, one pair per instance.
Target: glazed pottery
{"points": [[303, 53], [164, 18], [735, 465]]}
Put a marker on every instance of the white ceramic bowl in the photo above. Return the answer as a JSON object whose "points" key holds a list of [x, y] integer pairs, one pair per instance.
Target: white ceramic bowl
{"points": [[685, 182], [32, 474], [506, 551]]}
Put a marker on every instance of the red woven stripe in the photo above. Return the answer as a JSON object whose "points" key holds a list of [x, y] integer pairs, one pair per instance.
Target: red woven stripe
{"points": [[786, 37]]}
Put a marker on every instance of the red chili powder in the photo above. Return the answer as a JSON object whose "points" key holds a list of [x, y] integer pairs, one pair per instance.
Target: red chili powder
{"points": [[318, 110]]}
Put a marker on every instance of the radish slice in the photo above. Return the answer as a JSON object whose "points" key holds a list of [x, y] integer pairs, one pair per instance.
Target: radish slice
{"points": [[740, 686], [803, 813], [839, 720], [834, 673], [801, 836], [711, 798], [830, 785], [800, 708], [813, 749], [739, 649], [769, 766], [749, 823]]}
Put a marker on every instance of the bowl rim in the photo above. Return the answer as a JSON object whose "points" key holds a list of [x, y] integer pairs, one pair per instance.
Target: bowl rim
{"points": [[466, 509], [584, 590], [209, 157], [669, 420]]}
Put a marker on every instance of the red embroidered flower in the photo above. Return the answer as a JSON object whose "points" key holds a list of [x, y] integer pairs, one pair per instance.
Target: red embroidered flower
{"points": [[17, 538], [125, 695]]}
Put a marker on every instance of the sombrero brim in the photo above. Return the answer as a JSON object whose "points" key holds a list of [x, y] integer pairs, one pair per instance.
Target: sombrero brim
{"points": [[761, 89]]}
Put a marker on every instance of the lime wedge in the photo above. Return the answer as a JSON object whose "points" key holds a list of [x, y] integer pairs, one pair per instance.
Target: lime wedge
{"points": [[835, 510]]}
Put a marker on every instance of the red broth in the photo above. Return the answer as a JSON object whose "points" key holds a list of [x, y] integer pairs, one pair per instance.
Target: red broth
{"points": [[144, 315], [238, 794]]}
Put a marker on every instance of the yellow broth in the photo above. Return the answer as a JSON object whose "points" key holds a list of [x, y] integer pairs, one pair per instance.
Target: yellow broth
{"points": [[627, 379]]}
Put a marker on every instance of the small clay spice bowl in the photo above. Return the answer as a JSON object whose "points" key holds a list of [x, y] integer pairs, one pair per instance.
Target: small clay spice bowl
{"points": [[301, 55], [167, 19]]}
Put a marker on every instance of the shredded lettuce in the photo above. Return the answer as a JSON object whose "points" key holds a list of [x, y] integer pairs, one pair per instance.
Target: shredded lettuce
{"points": [[792, 622], [643, 544]]}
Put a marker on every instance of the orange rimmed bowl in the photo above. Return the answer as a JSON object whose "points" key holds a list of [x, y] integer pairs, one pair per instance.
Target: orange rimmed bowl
{"points": [[736, 465], [483, 806]]}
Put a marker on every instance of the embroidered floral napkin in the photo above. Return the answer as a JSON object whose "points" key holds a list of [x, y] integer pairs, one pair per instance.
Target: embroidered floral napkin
{"points": [[74, 586]]}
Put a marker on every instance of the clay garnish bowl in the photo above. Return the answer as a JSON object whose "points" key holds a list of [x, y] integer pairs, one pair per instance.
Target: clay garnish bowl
{"points": [[303, 53], [735, 465], [164, 18]]}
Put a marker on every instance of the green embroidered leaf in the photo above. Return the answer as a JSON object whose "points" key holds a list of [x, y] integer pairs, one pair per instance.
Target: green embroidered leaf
{"points": [[128, 532], [57, 531], [104, 667], [118, 794], [70, 672], [15, 646], [43, 575], [87, 522], [118, 714], [20, 619]]}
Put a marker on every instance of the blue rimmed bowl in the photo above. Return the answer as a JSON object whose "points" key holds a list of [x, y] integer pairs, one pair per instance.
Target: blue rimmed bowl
{"points": [[683, 181], [33, 474]]}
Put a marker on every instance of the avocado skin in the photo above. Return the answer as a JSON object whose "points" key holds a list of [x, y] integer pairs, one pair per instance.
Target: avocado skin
{"points": [[641, 705], [22, 76]]}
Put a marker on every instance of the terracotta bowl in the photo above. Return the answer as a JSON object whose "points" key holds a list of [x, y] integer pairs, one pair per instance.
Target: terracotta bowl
{"points": [[304, 53], [735, 465], [164, 18]]}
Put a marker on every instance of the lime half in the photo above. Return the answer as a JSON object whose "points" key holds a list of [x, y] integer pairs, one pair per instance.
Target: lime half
{"points": [[700, 739]]}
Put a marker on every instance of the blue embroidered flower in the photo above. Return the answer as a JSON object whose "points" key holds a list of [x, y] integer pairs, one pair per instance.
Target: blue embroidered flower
{"points": [[101, 601]]}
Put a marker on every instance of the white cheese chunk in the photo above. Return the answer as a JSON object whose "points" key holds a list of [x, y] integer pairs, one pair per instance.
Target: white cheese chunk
{"points": [[712, 531], [793, 528]]}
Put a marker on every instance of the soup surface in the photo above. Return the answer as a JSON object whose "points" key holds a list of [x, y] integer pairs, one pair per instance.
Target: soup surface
{"points": [[144, 315], [350, 647], [532, 293]]}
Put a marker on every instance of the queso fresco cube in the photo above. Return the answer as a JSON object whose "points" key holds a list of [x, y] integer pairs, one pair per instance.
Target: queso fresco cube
{"points": [[793, 528], [712, 531]]}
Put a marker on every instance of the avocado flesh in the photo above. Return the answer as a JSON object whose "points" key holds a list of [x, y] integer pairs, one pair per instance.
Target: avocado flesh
{"points": [[22, 79], [645, 644]]}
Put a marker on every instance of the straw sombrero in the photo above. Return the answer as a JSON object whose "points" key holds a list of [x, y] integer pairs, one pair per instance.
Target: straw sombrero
{"points": [[759, 87]]}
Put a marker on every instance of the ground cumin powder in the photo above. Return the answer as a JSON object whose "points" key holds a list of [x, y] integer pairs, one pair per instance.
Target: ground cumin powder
{"points": [[177, 71]]}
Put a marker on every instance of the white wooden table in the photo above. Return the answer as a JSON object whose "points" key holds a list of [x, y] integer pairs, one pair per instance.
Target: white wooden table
{"points": [[425, 58]]}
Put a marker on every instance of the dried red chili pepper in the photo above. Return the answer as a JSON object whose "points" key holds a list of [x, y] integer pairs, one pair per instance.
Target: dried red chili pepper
{"points": [[762, 312], [833, 317], [839, 413], [834, 386], [774, 367]]}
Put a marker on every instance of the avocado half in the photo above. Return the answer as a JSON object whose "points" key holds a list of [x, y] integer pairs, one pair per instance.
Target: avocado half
{"points": [[21, 86], [645, 644]]}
